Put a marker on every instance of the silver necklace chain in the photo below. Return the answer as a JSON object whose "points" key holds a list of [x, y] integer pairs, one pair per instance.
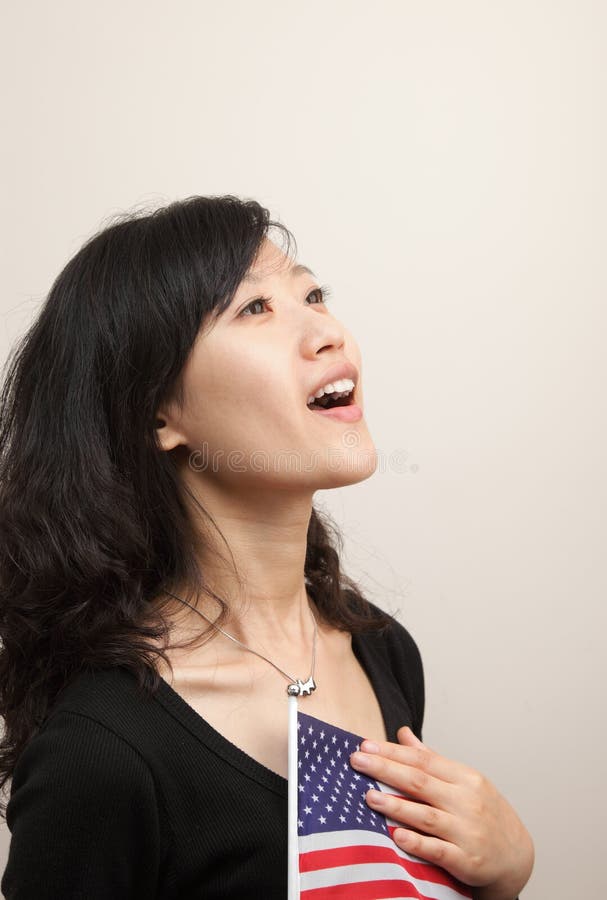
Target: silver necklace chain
{"points": [[297, 687]]}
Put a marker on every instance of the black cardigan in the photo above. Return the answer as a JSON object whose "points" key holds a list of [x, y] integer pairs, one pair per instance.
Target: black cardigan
{"points": [[122, 796]]}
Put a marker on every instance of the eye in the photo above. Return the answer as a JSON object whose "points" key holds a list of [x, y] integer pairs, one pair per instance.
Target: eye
{"points": [[249, 306], [322, 293]]}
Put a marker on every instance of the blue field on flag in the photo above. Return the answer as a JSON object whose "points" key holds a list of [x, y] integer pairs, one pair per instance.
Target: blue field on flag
{"points": [[346, 849]]}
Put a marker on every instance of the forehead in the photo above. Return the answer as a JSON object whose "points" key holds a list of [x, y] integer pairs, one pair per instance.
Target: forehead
{"points": [[271, 261]]}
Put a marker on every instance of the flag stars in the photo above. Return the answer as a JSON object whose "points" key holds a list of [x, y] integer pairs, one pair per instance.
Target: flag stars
{"points": [[310, 729], [307, 810], [334, 739], [322, 820]]}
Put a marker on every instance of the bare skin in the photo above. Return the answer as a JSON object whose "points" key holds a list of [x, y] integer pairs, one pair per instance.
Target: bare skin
{"points": [[246, 384]]}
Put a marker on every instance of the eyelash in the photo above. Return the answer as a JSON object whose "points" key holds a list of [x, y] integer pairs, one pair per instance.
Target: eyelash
{"points": [[324, 291]]}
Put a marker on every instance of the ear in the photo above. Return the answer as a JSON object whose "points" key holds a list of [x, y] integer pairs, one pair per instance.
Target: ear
{"points": [[168, 434]]}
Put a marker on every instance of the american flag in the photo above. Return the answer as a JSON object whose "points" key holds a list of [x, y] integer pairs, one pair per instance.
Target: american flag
{"points": [[346, 850]]}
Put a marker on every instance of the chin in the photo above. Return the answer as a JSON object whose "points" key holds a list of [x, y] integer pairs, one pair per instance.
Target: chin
{"points": [[346, 466]]}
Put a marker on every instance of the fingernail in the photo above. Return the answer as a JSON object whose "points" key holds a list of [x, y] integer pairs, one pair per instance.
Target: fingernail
{"points": [[359, 759], [369, 747]]}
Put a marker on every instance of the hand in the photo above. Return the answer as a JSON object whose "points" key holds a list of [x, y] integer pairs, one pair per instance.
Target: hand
{"points": [[466, 826]]}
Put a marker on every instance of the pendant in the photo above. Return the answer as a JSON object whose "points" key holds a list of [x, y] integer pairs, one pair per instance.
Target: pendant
{"points": [[300, 687]]}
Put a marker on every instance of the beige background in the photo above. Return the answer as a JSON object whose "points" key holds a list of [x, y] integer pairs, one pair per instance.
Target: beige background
{"points": [[442, 166]]}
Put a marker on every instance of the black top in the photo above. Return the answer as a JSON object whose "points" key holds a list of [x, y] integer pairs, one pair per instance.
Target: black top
{"points": [[122, 795]]}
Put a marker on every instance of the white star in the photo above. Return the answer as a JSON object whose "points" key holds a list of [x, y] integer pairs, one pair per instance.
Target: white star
{"points": [[333, 739], [339, 753], [322, 735], [342, 818], [312, 767], [329, 808], [314, 798], [307, 810], [310, 730], [299, 823], [322, 820], [301, 788], [326, 748], [307, 777]]}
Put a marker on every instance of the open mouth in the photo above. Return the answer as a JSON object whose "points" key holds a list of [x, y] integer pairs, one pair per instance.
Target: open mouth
{"points": [[329, 401], [340, 393]]}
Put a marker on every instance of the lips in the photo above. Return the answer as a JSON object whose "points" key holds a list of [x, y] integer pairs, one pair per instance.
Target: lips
{"points": [[334, 373]]}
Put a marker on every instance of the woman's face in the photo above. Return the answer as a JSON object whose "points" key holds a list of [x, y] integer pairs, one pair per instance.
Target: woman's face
{"points": [[245, 420]]}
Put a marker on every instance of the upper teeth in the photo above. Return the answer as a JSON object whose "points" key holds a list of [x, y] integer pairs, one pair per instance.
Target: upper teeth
{"points": [[342, 386]]}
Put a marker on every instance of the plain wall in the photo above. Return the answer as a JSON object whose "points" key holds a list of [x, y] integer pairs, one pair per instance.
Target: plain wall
{"points": [[442, 167]]}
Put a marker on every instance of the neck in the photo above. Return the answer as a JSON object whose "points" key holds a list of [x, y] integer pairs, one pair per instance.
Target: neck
{"points": [[256, 564]]}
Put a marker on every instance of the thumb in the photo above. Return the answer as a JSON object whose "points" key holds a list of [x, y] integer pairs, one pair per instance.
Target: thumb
{"points": [[405, 736]]}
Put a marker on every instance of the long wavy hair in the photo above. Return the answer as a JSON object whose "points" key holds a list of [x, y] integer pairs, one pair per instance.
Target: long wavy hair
{"points": [[93, 522]]}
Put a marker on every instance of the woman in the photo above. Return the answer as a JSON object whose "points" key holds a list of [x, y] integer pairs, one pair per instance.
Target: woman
{"points": [[165, 577]]}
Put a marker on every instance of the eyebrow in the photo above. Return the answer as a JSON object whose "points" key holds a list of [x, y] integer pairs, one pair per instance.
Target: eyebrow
{"points": [[293, 270]]}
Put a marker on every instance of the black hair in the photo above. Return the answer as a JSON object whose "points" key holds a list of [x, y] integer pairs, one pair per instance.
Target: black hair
{"points": [[93, 524]]}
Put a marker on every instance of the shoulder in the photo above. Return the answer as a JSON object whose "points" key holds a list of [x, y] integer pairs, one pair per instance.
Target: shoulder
{"points": [[396, 640], [90, 737], [394, 648], [82, 738], [78, 784]]}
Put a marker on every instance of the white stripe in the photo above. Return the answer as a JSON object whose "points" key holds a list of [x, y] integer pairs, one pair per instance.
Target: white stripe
{"points": [[325, 840], [365, 872], [330, 840]]}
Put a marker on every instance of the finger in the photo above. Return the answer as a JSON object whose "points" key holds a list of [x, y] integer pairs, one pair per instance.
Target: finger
{"points": [[411, 780], [432, 849], [420, 816], [405, 735], [421, 758]]}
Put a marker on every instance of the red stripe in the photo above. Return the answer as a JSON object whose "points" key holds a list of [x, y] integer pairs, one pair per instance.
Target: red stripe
{"points": [[369, 890], [330, 858]]}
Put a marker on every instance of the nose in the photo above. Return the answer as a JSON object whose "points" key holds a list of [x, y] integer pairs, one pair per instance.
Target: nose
{"points": [[322, 333]]}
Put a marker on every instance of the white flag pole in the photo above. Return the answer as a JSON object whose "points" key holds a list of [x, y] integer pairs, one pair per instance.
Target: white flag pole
{"points": [[293, 862]]}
